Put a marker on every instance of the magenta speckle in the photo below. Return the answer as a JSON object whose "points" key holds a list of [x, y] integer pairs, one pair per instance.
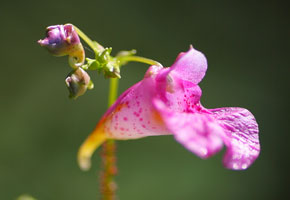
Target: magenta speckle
{"points": [[127, 103], [136, 114], [141, 119], [125, 119]]}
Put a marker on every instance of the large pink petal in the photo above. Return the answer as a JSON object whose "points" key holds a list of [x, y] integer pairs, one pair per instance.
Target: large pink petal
{"points": [[198, 132], [190, 66], [241, 139], [133, 115]]}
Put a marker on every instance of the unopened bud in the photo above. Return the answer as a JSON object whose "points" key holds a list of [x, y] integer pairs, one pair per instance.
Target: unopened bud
{"points": [[62, 40], [77, 82]]}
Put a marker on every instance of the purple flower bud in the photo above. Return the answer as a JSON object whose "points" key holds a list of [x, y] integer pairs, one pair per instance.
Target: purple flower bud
{"points": [[77, 82], [62, 40]]}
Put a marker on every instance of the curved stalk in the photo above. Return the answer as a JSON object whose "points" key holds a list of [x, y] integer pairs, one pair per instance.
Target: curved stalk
{"points": [[139, 59], [95, 46]]}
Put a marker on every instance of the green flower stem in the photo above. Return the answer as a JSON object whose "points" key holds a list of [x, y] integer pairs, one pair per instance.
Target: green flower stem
{"points": [[93, 44], [113, 91], [108, 185], [138, 59]]}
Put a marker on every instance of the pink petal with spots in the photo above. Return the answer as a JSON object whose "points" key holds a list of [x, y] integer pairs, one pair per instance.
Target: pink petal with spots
{"points": [[241, 138], [133, 115], [178, 94], [190, 66], [198, 132]]}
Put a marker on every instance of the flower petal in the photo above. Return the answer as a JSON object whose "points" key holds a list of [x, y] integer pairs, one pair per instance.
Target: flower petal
{"points": [[241, 138], [133, 115], [177, 94], [198, 132], [190, 66]]}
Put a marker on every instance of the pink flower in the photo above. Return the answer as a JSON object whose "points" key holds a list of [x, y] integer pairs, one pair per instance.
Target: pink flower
{"points": [[167, 102]]}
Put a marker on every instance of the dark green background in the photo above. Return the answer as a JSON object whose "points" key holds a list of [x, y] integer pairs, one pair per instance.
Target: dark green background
{"points": [[247, 47]]}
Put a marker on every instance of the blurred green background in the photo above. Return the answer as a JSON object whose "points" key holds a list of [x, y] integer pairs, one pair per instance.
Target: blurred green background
{"points": [[247, 47]]}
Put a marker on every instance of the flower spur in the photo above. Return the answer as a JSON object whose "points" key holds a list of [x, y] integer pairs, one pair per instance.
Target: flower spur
{"points": [[167, 102]]}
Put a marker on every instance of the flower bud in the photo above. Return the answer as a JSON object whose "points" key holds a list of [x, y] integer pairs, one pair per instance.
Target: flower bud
{"points": [[77, 82], [62, 40]]}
